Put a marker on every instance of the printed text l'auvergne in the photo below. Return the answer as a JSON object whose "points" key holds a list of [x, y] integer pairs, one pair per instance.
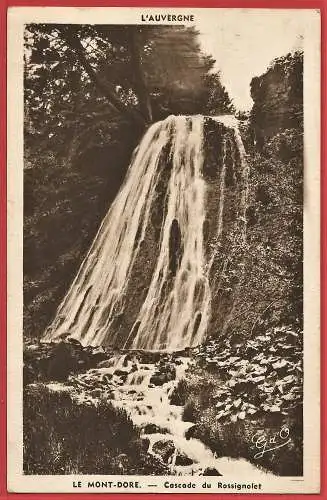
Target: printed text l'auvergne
{"points": [[162, 18]]}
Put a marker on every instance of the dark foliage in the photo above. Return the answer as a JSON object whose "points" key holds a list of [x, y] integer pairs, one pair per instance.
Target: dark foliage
{"points": [[44, 362], [63, 437]]}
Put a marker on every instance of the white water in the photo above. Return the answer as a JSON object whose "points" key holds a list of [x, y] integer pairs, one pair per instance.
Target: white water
{"points": [[148, 404], [171, 317]]}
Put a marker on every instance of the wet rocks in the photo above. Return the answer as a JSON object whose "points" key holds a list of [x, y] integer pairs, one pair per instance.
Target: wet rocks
{"points": [[165, 373], [147, 357], [192, 432], [167, 449], [158, 379], [122, 374], [153, 429], [107, 378], [183, 459], [96, 393], [164, 449], [106, 363], [211, 471]]}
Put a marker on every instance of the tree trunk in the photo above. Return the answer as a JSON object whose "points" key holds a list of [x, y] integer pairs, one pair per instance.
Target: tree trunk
{"points": [[106, 88]]}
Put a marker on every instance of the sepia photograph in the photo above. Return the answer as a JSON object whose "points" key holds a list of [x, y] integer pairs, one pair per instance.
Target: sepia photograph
{"points": [[163, 327]]}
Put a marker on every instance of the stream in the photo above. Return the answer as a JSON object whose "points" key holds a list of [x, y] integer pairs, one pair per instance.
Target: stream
{"points": [[126, 381]]}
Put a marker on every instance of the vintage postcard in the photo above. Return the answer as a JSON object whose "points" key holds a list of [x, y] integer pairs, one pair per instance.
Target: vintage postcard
{"points": [[164, 250]]}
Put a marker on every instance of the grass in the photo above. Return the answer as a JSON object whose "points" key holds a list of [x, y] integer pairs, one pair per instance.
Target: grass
{"points": [[62, 437]]}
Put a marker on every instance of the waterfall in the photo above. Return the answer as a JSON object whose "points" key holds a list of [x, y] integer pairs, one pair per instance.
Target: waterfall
{"points": [[150, 246]]}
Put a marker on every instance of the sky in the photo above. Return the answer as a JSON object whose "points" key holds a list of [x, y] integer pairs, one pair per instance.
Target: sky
{"points": [[244, 43]]}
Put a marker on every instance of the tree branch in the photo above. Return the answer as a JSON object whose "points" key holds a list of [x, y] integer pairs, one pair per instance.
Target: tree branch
{"points": [[139, 79], [106, 88]]}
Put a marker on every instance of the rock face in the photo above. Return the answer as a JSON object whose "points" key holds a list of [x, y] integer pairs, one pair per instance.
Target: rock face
{"points": [[278, 98]]}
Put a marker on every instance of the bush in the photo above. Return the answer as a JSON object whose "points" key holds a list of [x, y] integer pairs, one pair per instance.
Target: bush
{"points": [[62, 437], [190, 412], [179, 394]]}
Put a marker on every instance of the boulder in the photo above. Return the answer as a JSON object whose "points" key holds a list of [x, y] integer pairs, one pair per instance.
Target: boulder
{"points": [[165, 373], [158, 379], [96, 393], [109, 395], [127, 359], [192, 432], [95, 355], [122, 374], [165, 449], [211, 471], [153, 429], [182, 459], [106, 363], [76, 342]]}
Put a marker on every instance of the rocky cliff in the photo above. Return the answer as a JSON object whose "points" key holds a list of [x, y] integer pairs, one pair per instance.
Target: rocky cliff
{"points": [[278, 98]]}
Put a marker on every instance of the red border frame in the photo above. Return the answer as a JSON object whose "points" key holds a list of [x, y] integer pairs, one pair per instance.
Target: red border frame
{"points": [[271, 4]]}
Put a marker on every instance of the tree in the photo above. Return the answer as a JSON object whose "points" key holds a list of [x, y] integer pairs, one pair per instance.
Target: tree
{"points": [[75, 75]]}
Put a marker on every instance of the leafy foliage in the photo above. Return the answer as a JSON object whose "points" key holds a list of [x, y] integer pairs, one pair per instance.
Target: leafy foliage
{"points": [[63, 209], [235, 390], [261, 376], [76, 76]]}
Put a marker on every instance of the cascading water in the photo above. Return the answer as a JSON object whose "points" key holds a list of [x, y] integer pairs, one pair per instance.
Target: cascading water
{"points": [[145, 282]]}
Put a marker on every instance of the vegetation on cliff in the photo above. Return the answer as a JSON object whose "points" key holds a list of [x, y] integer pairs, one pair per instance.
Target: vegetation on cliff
{"points": [[265, 274], [249, 379]]}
